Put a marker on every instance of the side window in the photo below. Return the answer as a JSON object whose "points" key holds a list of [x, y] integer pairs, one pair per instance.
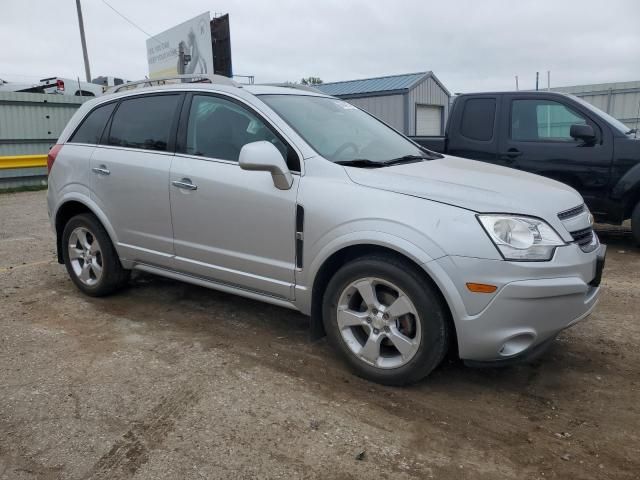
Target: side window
{"points": [[542, 120], [92, 126], [218, 128], [144, 122], [478, 118]]}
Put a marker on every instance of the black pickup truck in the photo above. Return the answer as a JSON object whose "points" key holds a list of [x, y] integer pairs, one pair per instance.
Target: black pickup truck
{"points": [[555, 135]]}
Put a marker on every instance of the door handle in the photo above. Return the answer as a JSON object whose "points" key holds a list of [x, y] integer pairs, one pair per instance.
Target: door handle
{"points": [[513, 153], [510, 155], [101, 170], [185, 184]]}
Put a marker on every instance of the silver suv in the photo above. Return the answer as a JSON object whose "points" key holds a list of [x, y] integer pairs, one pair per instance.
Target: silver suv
{"points": [[302, 200]]}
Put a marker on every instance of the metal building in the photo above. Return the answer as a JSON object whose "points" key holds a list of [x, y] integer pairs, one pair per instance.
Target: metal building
{"points": [[621, 100], [30, 123], [415, 103]]}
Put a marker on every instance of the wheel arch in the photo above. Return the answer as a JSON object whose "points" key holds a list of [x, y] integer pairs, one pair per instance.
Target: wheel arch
{"points": [[627, 191], [632, 199], [351, 252], [71, 207]]}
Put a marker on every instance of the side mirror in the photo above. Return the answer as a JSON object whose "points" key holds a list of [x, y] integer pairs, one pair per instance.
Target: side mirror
{"points": [[583, 132], [264, 156]]}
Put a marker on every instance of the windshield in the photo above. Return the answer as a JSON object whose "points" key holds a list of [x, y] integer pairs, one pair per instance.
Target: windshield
{"points": [[339, 131], [617, 124]]}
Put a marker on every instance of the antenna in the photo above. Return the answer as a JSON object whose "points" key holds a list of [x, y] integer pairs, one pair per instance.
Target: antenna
{"points": [[517, 87], [537, 78]]}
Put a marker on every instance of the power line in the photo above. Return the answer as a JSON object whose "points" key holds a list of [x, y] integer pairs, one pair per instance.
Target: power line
{"points": [[131, 22]]}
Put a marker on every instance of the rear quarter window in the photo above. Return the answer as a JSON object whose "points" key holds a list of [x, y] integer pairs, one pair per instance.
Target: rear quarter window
{"points": [[478, 118], [91, 128]]}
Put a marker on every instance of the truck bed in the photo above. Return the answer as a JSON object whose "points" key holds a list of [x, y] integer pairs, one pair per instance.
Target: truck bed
{"points": [[435, 144]]}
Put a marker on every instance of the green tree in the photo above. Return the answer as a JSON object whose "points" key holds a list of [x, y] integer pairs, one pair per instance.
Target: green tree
{"points": [[311, 81]]}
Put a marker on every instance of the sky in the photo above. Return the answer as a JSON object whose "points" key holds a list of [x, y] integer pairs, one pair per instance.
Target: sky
{"points": [[469, 45]]}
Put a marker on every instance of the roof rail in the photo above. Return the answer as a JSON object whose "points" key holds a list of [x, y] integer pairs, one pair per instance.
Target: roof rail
{"points": [[297, 86], [192, 78]]}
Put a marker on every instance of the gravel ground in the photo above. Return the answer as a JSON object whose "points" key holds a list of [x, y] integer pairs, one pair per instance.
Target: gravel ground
{"points": [[167, 380]]}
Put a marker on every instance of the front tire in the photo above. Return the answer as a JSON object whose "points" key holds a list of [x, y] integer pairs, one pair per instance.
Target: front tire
{"points": [[635, 224], [91, 260], [386, 320]]}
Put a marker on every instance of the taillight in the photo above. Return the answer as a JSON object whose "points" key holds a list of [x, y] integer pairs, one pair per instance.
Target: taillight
{"points": [[51, 156], [60, 85]]}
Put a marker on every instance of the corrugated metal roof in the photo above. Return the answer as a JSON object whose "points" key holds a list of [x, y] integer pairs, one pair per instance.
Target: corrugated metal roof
{"points": [[372, 85]]}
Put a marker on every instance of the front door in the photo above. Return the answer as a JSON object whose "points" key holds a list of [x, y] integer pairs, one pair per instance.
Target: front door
{"points": [[537, 140], [230, 225]]}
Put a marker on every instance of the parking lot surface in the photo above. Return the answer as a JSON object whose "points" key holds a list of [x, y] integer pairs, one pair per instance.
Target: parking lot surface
{"points": [[166, 380]]}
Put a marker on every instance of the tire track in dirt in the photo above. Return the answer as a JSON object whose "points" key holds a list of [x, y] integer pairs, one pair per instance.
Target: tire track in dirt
{"points": [[132, 450]]}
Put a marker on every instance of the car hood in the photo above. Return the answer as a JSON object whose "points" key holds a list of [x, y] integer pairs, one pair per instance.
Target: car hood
{"points": [[473, 185]]}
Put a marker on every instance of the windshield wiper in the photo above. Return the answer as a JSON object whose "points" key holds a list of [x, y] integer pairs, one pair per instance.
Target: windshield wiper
{"points": [[406, 159], [360, 162], [366, 163], [632, 131]]}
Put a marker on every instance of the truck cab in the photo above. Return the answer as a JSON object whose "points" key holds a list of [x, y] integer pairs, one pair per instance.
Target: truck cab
{"points": [[555, 135]]}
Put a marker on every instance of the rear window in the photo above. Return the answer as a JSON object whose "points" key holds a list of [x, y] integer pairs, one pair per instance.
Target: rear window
{"points": [[144, 122], [93, 125], [478, 118]]}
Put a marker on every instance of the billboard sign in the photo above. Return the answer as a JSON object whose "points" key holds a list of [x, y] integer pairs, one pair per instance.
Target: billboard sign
{"points": [[221, 37], [190, 42]]}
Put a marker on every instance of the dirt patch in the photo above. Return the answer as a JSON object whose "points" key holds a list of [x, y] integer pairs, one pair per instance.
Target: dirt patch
{"points": [[167, 380]]}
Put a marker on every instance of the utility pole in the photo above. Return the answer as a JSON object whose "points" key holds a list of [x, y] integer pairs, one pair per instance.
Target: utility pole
{"points": [[87, 71]]}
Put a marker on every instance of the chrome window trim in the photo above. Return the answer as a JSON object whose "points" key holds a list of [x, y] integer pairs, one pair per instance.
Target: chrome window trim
{"points": [[217, 160]]}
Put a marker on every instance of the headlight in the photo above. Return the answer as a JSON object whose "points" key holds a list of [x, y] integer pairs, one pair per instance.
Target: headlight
{"points": [[521, 238]]}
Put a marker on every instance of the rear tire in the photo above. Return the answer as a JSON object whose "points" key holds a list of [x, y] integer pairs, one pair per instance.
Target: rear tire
{"points": [[635, 224], [387, 321], [91, 260]]}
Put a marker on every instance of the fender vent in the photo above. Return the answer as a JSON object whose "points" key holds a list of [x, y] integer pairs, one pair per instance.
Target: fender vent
{"points": [[299, 234]]}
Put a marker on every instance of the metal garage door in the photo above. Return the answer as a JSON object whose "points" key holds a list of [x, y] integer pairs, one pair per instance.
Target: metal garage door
{"points": [[428, 120]]}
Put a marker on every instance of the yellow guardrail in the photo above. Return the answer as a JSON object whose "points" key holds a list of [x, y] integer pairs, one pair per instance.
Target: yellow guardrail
{"points": [[23, 161]]}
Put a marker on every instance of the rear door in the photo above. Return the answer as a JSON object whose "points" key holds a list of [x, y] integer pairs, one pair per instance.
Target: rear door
{"points": [[536, 139], [231, 225], [473, 134], [130, 176]]}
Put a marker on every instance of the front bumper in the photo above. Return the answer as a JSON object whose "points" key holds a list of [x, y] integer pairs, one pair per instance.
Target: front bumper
{"points": [[534, 301]]}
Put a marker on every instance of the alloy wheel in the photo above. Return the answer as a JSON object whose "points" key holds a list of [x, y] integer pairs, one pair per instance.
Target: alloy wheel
{"points": [[379, 323], [85, 256]]}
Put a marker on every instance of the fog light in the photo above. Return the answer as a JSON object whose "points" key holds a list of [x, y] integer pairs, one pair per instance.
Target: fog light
{"points": [[517, 344]]}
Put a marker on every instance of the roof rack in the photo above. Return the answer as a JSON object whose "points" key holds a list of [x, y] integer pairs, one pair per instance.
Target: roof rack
{"points": [[193, 78], [297, 86]]}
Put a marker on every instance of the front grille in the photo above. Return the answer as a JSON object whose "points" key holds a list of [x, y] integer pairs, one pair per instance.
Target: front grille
{"points": [[583, 237], [572, 212]]}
